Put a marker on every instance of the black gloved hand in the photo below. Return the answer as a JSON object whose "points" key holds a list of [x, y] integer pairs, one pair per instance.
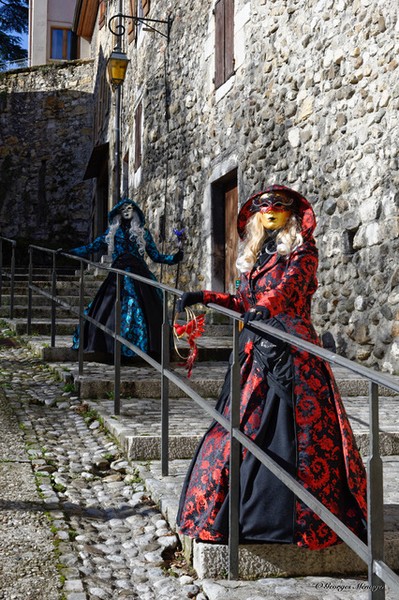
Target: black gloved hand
{"points": [[59, 250], [256, 313], [178, 256], [188, 299]]}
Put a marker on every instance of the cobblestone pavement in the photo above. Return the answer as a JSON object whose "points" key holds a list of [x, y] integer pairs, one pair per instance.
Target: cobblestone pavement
{"points": [[109, 539], [76, 522]]}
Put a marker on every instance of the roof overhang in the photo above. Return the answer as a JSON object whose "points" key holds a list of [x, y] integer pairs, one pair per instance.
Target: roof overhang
{"points": [[85, 18]]}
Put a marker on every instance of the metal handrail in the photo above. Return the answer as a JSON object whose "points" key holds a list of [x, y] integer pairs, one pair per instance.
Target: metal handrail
{"points": [[11, 274], [372, 553], [11, 65]]}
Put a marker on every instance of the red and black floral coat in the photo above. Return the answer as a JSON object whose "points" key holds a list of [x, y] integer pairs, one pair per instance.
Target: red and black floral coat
{"points": [[290, 406]]}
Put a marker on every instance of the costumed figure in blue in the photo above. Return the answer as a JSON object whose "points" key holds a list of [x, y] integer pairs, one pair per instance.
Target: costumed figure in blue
{"points": [[126, 240]]}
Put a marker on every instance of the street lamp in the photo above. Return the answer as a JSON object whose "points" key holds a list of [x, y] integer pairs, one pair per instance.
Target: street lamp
{"points": [[117, 65]]}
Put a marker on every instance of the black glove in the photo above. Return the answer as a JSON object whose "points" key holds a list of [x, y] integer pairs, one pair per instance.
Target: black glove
{"points": [[256, 313], [188, 299], [59, 250], [178, 256]]}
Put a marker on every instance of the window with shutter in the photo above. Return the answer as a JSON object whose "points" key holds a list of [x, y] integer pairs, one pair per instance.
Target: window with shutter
{"points": [[138, 8], [138, 137], [224, 41], [131, 25], [146, 7], [102, 14], [125, 175]]}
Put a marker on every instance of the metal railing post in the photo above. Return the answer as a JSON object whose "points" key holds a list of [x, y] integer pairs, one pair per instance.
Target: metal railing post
{"points": [[13, 245], [117, 349], [165, 362], [53, 302], [81, 320], [30, 278], [375, 499], [235, 450]]}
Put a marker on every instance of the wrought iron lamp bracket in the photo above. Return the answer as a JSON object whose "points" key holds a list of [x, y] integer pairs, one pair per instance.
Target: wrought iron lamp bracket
{"points": [[119, 29]]}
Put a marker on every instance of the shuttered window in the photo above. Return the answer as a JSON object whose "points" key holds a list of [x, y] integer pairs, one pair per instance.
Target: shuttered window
{"points": [[146, 7], [138, 8], [102, 14], [138, 137], [224, 41]]}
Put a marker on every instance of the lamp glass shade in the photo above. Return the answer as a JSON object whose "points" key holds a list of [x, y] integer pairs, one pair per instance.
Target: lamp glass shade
{"points": [[117, 65]]}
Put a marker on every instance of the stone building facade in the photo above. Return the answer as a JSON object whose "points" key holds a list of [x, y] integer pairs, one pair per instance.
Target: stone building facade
{"points": [[46, 122], [312, 101], [251, 92]]}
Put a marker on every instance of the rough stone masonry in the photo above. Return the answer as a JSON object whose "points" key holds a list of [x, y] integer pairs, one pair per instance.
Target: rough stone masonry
{"points": [[313, 103]]}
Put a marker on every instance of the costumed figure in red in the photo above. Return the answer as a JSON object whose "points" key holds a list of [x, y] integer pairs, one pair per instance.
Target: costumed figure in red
{"points": [[290, 405]]}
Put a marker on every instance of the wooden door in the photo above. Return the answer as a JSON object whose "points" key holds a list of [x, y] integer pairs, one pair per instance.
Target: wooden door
{"points": [[231, 237]]}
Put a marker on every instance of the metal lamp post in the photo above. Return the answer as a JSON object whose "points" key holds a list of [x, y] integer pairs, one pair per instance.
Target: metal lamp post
{"points": [[117, 66]]}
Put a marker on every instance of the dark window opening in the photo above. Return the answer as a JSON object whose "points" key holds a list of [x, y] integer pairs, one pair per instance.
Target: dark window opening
{"points": [[348, 238]]}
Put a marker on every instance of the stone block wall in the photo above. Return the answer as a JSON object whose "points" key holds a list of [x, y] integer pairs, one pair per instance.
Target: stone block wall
{"points": [[45, 143], [313, 104]]}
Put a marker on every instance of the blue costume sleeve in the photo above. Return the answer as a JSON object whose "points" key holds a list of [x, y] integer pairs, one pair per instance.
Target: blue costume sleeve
{"points": [[98, 244], [153, 252]]}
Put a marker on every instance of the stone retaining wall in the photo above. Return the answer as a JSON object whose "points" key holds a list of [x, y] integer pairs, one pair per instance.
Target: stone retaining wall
{"points": [[46, 140]]}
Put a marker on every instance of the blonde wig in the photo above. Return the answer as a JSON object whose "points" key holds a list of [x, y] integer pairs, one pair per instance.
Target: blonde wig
{"points": [[287, 239]]}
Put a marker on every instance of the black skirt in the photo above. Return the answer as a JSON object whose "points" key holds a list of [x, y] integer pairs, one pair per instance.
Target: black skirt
{"points": [[141, 312]]}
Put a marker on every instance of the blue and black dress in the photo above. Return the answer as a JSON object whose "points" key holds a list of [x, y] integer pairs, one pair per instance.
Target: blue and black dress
{"points": [[141, 304]]}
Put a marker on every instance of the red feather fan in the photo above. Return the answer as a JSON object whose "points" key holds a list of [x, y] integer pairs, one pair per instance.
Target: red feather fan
{"points": [[190, 331]]}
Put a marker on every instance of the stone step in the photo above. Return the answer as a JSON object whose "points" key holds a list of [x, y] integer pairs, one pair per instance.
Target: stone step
{"points": [[209, 348], [272, 560], [99, 377], [71, 289], [42, 327], [138, 427], [140, 380], [39, 312], [45, 276], [21, 300]]}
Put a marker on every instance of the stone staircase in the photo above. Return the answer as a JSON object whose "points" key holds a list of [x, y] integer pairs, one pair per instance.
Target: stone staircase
{"points": [[137, 429], [67, 291]]}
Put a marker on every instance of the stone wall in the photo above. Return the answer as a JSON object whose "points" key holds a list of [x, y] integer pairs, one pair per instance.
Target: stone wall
{"points": [[313, 104], [46, 141]]}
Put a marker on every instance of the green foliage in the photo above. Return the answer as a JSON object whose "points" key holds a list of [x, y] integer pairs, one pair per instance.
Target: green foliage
{"points": [[13, 21], [69, 387]]}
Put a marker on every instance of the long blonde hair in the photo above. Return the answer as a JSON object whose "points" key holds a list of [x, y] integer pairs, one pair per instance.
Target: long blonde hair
{"points": [[287, 239]]}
